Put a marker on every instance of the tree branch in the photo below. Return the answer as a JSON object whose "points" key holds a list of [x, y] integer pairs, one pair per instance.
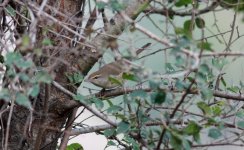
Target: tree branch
{"points": [[68, 129], [165, 11], [99, 115], [126, 90]]}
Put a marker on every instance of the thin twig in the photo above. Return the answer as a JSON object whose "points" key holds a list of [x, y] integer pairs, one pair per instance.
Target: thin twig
{"points": [[2, 125], [68, 129], [173, 113], [8, 125], [121, 91], [232, 32], [53, 19], [104, 127]]}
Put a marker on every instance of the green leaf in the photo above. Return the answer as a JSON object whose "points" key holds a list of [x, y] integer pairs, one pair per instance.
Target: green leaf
{"points": [[142, 117], [196, 138], [180, 61], [241, 85], [219, 63], [74, 146], [204, 68], [12, 57], [186, 144], [123, 127], [114, 109], [138, 94], [100, 5], [223, 81], [129, 140], [211, 121], [34, 91], [120, 116], [98, 103], [180, 3], [171, 16], [80, 98], [234, 89], [240, 113], [24, 77], [192, 128], [175, 140], [184, 41], [115, 5], [187, 25], [144, 133], [115, 81], [42, 76], [110, 103], [153, 85], [5, 95], [1, 59], [205, 75], [179, 30], [188, 28], [240, 124], [109, 132], [206, 93], [47, 42], [129, 76], [111, 143], [200, 23], [180, 85], [135, 146], [38, 51], [204, 107], [221, 103], [24, 64], [158, 97], [23, 100], [10, 11], [205, 46], [216, 110], [25, 41], [214, 133], [11, 72], [169, 68], [74, 78]]}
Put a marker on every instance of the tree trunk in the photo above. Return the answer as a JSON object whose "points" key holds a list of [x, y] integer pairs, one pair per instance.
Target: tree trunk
{"points": [[40, 129]]}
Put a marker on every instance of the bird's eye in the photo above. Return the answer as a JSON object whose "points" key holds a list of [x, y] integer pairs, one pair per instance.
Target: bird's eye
{"points": [[96, 77]]}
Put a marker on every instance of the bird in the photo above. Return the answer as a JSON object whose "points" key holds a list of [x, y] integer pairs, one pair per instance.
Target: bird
{"points": [[103, 77]]}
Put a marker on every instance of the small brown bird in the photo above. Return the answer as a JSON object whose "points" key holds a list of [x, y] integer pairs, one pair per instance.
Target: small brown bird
{"points": [[114, 70]]}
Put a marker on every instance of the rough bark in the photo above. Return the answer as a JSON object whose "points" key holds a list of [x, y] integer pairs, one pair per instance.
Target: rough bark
{"points": [[43, 131]]}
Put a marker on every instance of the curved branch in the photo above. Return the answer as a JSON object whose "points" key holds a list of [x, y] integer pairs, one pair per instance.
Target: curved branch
{"points": [[121, 91], [171, 12]]}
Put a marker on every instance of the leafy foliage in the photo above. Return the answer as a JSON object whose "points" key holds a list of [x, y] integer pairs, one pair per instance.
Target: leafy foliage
{"points": [[74, 146], [184, 96], [18, 69], [115, 5]]}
